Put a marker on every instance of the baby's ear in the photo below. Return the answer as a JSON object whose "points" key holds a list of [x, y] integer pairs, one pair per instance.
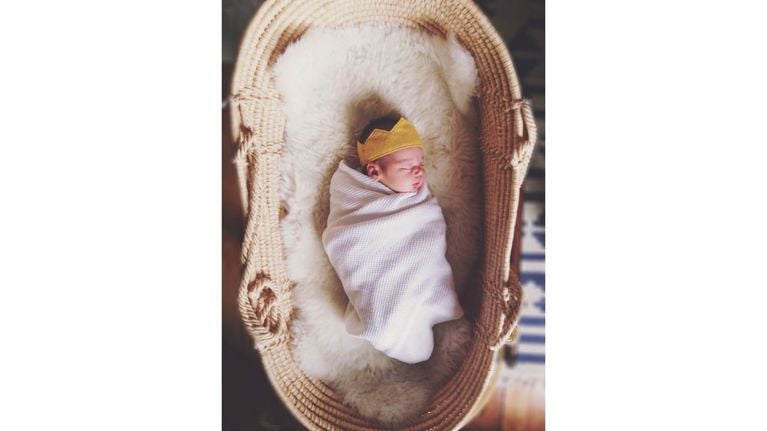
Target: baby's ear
{"points": [[373, 171]]}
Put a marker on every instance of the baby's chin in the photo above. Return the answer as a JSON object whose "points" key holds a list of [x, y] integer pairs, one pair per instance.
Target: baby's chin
{"points": [[412, 189], [403, 188]]}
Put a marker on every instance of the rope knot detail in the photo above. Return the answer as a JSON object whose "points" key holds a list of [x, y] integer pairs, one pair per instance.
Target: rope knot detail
{"points": [[517, 104], [267, 311], [261, 121], [507, 299], [521, 154]]}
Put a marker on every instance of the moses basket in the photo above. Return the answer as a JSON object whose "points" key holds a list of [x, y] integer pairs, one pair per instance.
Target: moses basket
{"points": [[507, 136]]}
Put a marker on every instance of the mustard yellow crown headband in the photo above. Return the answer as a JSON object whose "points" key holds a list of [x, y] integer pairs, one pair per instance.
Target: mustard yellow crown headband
{"points": [[381, 142]]}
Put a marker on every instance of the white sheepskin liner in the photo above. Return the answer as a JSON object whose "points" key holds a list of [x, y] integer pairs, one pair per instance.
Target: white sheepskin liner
{"points": [[333, 82]]}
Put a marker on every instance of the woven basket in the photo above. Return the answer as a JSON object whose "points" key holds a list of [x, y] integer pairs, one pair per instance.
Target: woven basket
{"points": [[507, 137]]}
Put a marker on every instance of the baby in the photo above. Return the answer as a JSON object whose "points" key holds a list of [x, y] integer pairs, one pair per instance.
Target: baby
{"points": [[386, 240], [399, 166]]}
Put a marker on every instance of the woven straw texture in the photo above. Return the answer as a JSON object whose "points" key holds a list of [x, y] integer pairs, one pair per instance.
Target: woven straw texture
{"points": [[507, 137]]}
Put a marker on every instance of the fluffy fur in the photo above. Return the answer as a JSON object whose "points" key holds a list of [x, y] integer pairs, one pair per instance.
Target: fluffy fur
{"points": [[333, 82]]}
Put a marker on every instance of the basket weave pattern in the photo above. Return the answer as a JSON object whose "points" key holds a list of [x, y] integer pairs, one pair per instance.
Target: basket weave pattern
{"points": [[507, 137]]}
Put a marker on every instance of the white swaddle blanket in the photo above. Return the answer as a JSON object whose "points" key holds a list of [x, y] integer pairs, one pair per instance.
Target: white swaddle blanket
{"points": [[388, 249]]}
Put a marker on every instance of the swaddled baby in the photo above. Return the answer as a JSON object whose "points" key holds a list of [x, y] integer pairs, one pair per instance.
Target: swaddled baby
{"points": [[386, 240]]}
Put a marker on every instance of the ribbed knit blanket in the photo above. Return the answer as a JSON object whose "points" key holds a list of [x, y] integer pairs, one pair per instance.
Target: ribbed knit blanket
{"points": [[388, 249]]}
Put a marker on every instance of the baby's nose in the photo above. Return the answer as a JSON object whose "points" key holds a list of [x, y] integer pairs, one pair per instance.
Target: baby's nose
{"points": [[418, 170]]}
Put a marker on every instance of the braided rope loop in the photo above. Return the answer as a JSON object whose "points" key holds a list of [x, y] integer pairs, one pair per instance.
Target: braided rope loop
{"points": [[264, 311]]}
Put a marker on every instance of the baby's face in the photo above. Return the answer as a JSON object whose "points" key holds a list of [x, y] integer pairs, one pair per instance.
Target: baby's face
{"points": [[401, 171]]}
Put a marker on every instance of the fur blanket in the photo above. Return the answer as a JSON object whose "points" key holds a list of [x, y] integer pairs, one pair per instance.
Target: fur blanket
{"points": [[332, 83], [388, 248]]}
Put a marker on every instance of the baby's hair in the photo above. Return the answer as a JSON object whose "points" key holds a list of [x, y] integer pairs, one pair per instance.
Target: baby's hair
{"points": [[385, 123]]}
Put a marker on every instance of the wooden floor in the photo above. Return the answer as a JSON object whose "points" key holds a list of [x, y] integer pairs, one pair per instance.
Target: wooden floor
{"points": [[512, 407]]}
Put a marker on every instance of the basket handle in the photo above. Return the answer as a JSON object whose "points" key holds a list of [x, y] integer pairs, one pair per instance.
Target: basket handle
{"points": [[508, 295], [259, 123], [265, 292], [525, 136]]}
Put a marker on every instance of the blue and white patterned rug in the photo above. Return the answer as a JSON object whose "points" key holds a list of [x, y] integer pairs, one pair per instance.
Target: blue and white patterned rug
{"points": [[526, 365], [530, 348]]}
